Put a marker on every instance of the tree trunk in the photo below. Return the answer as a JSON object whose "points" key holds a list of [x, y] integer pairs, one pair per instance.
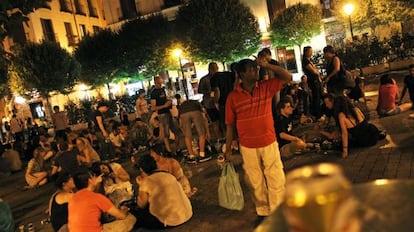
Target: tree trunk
{"points": [[49, 109], [109, 91], [224, 65]]}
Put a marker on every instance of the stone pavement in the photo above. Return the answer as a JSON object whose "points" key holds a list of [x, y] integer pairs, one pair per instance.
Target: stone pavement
{"points": [[391, 158]]}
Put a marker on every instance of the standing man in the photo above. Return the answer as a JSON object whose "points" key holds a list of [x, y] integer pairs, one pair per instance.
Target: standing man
{"points": [[409, 85], [162, 105], [141, 107], [205, 88], [249, 108], [98, 120], [16, 127], [61, 123], [191, 113]]}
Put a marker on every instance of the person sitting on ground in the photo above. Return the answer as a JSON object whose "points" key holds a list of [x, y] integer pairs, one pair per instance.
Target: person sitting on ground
{"points": [[357, 93], [6, 217], [326, 126], [191, 112], [46, 146], [12, 157], [139, 135], [58, 204], [115, 181], [288, 143], [66, 160], [36, 174], [387, 96], [87, 155], [172, 166], [86, 208], [161, 200], [157, 130], [353, 125], [117, 140]]}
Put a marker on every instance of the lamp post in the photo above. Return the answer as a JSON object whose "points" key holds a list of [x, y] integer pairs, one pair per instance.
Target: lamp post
{"points": [[349, 9], [177, 53]]}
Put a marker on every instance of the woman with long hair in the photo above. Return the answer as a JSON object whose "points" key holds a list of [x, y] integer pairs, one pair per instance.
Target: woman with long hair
{"points": [[88, 155], [354, 127], [314, 81], [387, 96], [36, 175], [333, 80], [58, 204]]}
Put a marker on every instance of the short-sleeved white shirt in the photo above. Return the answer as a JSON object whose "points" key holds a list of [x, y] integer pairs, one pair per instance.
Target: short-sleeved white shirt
{"points": [[167, 200]]}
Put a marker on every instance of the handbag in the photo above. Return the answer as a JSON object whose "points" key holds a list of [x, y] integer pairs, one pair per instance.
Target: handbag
{"points": [[230, 194], [347, 78]]}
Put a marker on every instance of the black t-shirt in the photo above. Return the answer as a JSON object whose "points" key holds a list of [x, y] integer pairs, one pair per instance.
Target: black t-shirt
{"points": [[189, 106], [409, 82], [311, 76], [95, 114], [224, 81], [68, 161], [160, 98], [283, 124]]}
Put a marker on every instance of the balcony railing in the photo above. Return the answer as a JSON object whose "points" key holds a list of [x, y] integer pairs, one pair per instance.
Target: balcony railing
{"points": [[72, 40]]}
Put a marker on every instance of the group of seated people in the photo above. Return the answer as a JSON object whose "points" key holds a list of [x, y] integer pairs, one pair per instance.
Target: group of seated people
{"points": [[349, 127], [93, 199]]}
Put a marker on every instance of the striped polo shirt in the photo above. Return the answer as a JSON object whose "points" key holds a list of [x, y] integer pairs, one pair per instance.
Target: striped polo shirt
{"points": [[252, 113]]}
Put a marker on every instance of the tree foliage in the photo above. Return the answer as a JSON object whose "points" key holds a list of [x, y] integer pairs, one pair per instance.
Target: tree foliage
{"points": [[222, 30], [46, 67], [100, 56], [372, 13], [296, 25], [145, 41], [12, 13]]}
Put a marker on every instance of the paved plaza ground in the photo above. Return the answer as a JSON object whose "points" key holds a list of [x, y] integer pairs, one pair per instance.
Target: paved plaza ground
{"points": [[391, 158]]}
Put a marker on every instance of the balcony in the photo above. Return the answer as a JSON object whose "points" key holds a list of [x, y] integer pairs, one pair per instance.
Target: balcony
{"points": [[72, 40]]}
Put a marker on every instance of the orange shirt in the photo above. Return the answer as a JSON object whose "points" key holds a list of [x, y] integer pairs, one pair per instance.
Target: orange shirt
{"points": [[252, 113], [85, 209]]}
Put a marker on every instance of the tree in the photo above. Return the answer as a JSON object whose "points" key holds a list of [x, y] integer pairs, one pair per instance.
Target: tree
{"points": [[145, 41], [45, 67], [222, 30], [372, 13], [12, 12], [101, 58], [295, 25]]}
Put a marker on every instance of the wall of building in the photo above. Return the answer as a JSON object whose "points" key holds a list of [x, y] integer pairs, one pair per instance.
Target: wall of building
{"points": [[33, 28]]}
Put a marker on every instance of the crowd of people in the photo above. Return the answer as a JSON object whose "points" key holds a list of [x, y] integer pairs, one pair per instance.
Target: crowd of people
{"points": [[255, 109]]}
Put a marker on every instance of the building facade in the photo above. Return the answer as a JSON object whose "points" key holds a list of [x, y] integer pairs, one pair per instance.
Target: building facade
{"points": [[63, 21]]}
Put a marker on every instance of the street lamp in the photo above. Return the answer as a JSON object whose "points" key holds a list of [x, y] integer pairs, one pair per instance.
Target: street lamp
{"points": [[177, 53], [349, 9]]}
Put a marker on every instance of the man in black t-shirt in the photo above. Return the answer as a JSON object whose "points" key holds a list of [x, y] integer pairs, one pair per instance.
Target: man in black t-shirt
{"points": [[288, 143], [97, 118], [409, 85], [222, 83], [66, 160], [161, 104]]}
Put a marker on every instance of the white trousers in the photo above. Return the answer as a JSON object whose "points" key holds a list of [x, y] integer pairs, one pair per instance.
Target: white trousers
{"points": [[264, 170]]}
